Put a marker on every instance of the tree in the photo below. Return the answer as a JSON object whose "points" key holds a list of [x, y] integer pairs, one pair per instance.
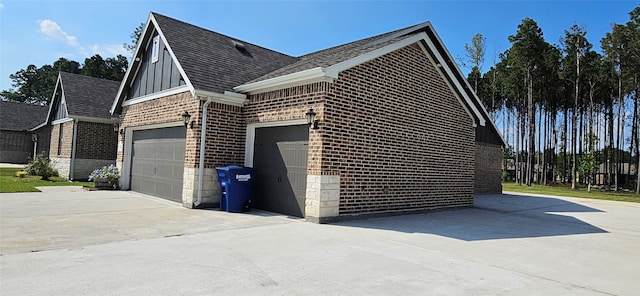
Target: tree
{"points": [[36, 85], [575, 46], [526, 54], [475, 56], [131, 47], [588, 162]]}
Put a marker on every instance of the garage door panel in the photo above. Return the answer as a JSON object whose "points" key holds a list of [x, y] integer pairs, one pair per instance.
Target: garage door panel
{"points": [[280, 160], [157, 165]]}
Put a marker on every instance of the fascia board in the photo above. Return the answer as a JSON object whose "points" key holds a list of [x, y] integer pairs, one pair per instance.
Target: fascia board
{"points": [[128, 75], [88, 119], [456, 83], [475, 96], [229, 98], [307, 76], [334, 70], [53, 98], [153, 96], [173, 56]]}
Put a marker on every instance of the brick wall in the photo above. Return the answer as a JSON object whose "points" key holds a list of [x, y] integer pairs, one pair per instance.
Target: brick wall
{"points": [[225, 136], [96, 141], [15, 147], [488, 169], [67, 140], [390, 129], [290, 104], [164, 110], [397, 136]]}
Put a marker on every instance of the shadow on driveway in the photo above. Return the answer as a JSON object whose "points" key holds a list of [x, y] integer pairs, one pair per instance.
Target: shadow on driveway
{"points": [[493, 217]]}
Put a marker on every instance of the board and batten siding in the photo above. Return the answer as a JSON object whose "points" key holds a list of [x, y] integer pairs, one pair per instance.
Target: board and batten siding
{"points": [[157, 76]]}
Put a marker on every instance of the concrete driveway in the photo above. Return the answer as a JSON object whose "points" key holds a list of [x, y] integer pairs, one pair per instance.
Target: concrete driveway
{"points": [[124, 243]]}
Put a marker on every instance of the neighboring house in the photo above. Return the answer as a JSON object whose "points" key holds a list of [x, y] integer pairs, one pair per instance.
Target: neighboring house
{"points": [[399, 128], [83, 137], [19, 137]]}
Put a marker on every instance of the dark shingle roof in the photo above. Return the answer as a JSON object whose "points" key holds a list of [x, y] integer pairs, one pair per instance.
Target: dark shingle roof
{"points": [[212, 62], [16, 116], [340, 53], [88, 96]]}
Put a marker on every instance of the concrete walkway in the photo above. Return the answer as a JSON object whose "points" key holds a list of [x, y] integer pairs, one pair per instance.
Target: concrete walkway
{"points": [[11, 165], [122, 243]]}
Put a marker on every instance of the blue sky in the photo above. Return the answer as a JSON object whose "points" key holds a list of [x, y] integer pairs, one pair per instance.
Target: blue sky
{"points": [[39, 32]]}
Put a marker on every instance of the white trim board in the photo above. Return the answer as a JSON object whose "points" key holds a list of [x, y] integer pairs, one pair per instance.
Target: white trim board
{"points": [[153, 96], [251, 136]]}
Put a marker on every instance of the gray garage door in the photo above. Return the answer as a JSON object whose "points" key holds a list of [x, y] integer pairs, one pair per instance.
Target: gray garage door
{"points": [[157, 162], [280, 160]]}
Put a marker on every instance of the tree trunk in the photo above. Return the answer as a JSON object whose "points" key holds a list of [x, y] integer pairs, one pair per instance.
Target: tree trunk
{"points": [[617, 159], [610, 154], [565, 162], [574, 126], [532, 127]]}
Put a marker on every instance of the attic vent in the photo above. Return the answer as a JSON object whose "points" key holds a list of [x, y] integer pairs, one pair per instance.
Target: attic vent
{"points": [[238, 45]]}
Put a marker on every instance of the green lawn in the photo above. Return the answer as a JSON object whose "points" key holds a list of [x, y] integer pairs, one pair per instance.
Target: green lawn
{"points": [[10, 183], [559, 190]]}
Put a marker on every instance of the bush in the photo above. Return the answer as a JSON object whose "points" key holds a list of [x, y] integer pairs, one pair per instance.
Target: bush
{"points": [[505, 177], [109, 173], [41, 166], [21, 174]]}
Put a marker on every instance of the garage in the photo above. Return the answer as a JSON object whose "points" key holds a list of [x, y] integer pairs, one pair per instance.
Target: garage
{"points": [[157, 162], [280, 160]]}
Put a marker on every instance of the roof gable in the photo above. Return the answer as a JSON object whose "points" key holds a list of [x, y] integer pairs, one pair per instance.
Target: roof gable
{"points": [[16, 116], [84, 96], [209, 62], [326, 65]]}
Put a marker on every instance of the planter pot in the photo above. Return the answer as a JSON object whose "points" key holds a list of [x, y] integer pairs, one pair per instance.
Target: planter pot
{"points": [[105, 184]]}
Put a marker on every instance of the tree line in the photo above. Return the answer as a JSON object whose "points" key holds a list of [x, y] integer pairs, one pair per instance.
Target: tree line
{"points": [[566, 109], [36, 85]]}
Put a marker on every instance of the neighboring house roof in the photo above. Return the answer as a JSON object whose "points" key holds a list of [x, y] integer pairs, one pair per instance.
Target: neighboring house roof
{"points": [[85, 97], [15, 116]]}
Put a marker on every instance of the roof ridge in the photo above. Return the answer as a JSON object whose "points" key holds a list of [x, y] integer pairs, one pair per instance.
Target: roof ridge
{"points": [[220, 34], [87, 76], [375, 38]]}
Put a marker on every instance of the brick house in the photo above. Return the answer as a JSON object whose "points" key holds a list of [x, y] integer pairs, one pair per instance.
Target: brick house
{"points": [[20, 135], [82, 129], [398, 126]]}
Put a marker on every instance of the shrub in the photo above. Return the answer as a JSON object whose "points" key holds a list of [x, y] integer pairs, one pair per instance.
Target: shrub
{"points": [[21, 174], [109, 173], [41, 166]]}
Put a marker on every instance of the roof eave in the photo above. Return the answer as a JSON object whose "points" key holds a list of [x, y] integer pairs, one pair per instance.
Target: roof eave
{"points": [[317, 74]]}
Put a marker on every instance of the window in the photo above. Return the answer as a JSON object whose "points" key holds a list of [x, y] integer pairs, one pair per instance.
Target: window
{"points": [[60, 136], [155, 49]]}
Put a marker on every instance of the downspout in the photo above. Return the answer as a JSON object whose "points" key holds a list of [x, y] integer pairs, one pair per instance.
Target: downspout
{"points": [[203, 137], [72, 163]]}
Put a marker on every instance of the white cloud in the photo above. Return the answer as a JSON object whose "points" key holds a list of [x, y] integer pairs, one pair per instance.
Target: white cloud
{"points": [[52, 30], [109, 50]]}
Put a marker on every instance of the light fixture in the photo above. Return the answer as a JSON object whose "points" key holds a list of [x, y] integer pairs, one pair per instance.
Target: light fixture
{"points": [[311, 119], [116, 127], [122, 132], [185, 119], [34, 137]]}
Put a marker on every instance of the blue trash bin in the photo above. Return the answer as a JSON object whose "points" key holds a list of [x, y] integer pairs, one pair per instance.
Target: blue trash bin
{"points": [[235, 187]]}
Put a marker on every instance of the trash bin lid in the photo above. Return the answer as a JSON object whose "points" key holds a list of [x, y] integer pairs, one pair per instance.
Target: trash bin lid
{"points": [[229, 167]]}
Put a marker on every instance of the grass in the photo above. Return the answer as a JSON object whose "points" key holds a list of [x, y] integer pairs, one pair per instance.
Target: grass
{"points": [[561, 190], [10, 183]]}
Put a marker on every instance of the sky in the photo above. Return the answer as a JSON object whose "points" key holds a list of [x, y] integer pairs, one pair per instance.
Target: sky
{"points": [[39, 32]]}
